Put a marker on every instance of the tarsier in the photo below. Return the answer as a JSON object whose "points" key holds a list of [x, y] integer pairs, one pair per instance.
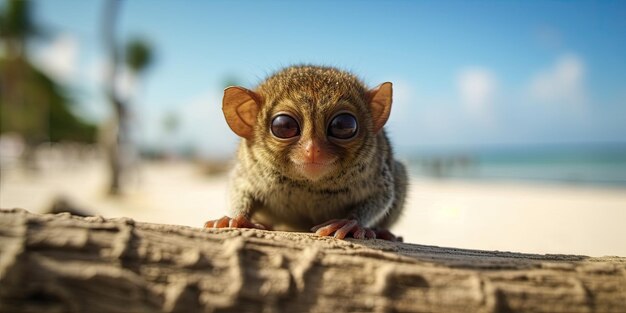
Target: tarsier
{"points": [[314, 156]]}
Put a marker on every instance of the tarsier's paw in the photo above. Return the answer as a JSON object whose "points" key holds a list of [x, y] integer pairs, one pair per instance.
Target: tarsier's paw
{"points": [[387, 235], [343, 227], [238, 221]]}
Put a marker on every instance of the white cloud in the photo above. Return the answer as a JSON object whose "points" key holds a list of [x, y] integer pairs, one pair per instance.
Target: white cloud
{"points": [[59, 58], [477, 88], [561, 84]]}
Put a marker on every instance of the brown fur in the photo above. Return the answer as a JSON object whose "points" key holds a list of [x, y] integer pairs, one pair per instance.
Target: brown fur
{"points": [[365, 182]]}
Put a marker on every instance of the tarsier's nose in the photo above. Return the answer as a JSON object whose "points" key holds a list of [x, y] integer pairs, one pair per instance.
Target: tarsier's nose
{"points": [[312, 151], [315, 161]]}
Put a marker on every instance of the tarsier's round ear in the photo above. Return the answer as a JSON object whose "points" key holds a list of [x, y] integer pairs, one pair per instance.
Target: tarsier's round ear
{"points": [[240, 107], [380, 99]]}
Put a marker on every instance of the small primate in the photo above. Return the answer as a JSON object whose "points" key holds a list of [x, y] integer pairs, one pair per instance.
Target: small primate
{"points": [[314, 155]]}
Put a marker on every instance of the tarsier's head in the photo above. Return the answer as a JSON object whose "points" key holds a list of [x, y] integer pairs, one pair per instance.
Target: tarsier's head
{"points": [[309, 122]]}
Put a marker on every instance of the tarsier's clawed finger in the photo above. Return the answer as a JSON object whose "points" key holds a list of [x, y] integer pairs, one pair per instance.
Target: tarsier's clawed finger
{"points": [[239, 221], [222, 222], [331, 228], [315, 228], [342, 228], [370, 234], [349, 227], [359, 233], [210, 223]]}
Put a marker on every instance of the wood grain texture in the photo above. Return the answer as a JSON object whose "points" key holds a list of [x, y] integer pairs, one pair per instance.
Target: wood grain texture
{"points": [[63, 263]]}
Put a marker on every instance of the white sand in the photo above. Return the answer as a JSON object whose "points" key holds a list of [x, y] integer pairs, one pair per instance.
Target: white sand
{"points": [[473, 215], [517, 217]]}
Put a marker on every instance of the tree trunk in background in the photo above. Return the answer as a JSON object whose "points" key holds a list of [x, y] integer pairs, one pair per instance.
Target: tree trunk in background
{"points": [[115, 132], [63, 263]]}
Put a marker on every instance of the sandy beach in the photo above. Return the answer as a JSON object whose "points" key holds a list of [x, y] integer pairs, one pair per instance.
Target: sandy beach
{"points": [[521, 217]]}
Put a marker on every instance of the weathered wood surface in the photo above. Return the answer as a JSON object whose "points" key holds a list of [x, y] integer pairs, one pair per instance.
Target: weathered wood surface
{"points": [[63, 263]]}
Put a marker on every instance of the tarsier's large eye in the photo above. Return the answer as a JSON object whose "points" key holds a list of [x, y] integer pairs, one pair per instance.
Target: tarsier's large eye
{"points": [[343, 126], [284, 126]]}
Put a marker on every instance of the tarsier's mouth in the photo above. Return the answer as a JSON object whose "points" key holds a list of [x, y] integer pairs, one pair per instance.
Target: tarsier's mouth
{"points": [[314, 170], [298, 163], [314, 163]]}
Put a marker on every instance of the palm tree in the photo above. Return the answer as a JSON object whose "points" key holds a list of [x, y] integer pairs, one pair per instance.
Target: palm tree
{"points": [[138, 58], [32, 104], [114, 134], [17, 27], [139, 55]]}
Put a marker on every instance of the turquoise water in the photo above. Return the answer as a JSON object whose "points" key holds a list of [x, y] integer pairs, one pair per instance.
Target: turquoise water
{"points": [[596, 164]]}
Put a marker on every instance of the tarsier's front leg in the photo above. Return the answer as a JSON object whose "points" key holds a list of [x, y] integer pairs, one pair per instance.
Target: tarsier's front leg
{"points": [[354, 225], [344, 227]]}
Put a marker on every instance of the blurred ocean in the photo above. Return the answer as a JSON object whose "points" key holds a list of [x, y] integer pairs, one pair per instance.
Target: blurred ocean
{"points": [[589, 164]]}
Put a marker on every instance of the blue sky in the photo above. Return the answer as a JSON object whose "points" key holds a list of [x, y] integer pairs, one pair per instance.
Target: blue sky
{"points": [[465, 73]]}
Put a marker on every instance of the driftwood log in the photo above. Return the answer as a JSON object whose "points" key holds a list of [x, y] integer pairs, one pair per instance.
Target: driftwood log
{"points": [[64, 263]]}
